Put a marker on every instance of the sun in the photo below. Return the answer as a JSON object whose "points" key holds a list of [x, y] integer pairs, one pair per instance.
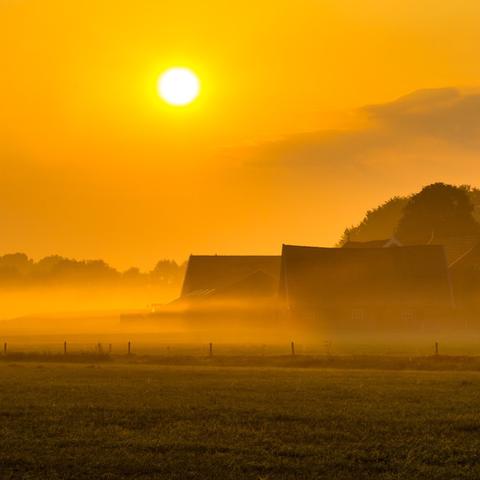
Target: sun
{"points": [[178, 86]]}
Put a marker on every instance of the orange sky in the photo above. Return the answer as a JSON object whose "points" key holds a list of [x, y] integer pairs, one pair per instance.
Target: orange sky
{"points": [[93, 164]]}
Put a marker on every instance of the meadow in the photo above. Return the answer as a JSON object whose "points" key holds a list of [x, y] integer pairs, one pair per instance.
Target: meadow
{"points": [[114, 421]]}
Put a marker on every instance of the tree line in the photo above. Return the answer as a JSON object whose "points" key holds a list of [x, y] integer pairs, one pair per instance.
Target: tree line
{"points": [[438, 211], [18, 269]]}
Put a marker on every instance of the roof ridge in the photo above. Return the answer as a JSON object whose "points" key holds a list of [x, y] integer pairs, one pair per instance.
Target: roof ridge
{"points": [[462, 256]]}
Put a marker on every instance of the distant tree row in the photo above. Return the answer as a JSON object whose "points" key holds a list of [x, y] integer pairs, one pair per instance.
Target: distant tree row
{"points": [[439, 210], [20, 270]]}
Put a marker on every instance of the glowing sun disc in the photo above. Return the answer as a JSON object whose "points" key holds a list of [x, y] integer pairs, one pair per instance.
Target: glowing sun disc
{"points": [[178, 86]]}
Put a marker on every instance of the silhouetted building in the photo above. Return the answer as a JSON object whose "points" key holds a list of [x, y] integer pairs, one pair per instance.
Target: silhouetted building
{"points": [[358, 288], [361, 289], [245, 275], [222, 290]]}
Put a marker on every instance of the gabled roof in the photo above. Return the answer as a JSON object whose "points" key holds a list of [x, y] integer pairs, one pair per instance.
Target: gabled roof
{"points": [[326, 277], [256, 284], [456, 247], [223, 272], [470, 259]]}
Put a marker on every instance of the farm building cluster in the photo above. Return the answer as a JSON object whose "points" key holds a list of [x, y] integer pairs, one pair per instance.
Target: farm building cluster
{"points": [[361, 286]]}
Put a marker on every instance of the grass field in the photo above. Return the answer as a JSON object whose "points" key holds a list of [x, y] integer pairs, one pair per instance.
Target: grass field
{"points": [[147, 421]]}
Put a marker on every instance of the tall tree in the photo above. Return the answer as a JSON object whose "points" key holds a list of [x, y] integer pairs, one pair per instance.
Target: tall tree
{"points": [[438, 210]]}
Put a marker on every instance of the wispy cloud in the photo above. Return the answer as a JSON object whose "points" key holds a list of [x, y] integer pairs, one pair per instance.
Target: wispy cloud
{"points": [[418, 125]]}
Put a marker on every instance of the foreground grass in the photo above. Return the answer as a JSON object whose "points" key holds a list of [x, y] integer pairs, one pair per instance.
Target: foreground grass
{"points": [[343, 362], [147, 421]]}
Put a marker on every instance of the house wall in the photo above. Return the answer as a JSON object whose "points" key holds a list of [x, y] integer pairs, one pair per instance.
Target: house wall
{"points": [[372, 319]]}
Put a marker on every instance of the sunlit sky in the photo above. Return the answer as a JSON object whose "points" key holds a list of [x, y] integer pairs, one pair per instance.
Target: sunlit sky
{"points": [[279, 147]]}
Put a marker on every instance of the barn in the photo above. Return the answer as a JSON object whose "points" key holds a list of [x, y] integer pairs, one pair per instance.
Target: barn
{"points": [[221, 276], [360, 288], [226, 292], [366, 289]]}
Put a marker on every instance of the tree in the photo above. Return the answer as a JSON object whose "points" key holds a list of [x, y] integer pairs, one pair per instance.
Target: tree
{"points": [[168, 272], [378, 223], [439, 210]]}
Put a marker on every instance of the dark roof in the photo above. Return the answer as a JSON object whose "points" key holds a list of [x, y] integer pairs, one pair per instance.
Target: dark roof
{"points": [[256, 285], [456, 247], [469, 259], [370, 244], [384, 243], [223, 273], [327, 277]]}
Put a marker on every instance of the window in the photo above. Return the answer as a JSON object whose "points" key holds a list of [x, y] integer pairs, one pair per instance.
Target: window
{"points": [[358, 315], [407, 316]]}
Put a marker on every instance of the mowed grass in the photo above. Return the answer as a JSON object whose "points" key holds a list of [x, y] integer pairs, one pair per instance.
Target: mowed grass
{"points": [[144, 421]]}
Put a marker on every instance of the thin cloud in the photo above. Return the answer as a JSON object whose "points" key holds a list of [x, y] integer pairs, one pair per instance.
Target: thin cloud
{"points": [[417, 125]]}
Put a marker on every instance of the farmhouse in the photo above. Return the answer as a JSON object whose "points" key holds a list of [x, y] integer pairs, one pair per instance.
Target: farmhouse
{"points": [[405, 288]]}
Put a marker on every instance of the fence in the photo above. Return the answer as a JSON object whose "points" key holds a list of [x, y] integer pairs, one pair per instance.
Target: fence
{"points": [[106, 350]]}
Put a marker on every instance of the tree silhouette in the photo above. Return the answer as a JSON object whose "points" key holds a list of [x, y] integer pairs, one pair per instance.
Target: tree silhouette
{"points": [[378, 223], [439, 210]]}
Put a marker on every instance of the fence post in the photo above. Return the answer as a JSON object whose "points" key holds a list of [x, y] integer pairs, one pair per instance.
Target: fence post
{"points": [[5, 348], [129, 347], [436, 348], [210, 349], [292, 346], [65, 347]]}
